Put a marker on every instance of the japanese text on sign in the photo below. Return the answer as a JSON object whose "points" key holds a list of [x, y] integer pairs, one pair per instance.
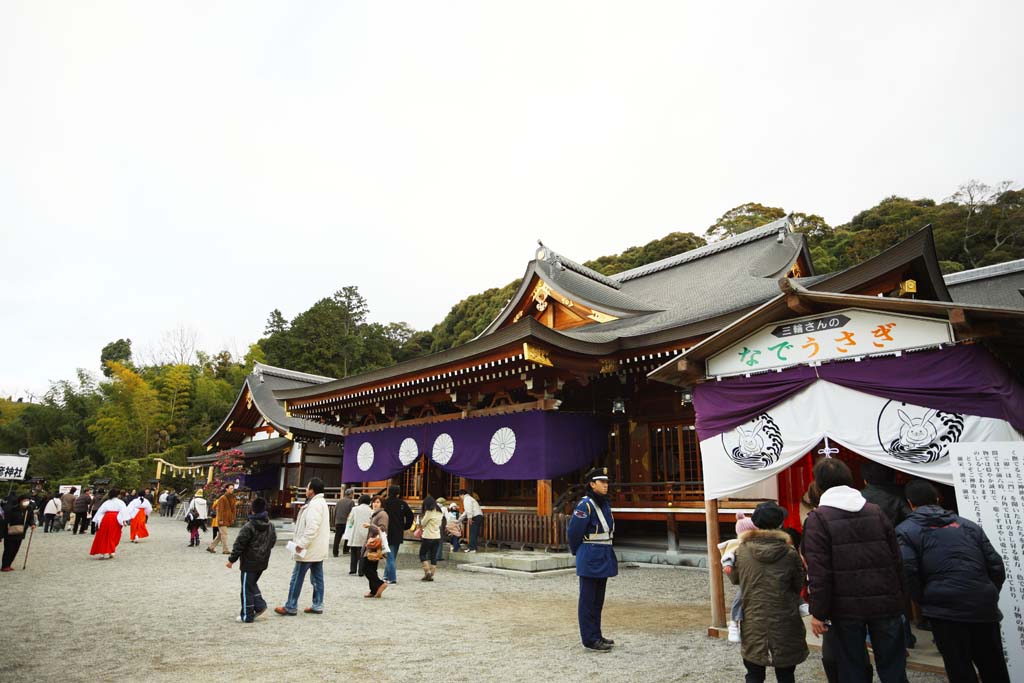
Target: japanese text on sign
{"points": [[847, 334], [989, 480], [13, 467]]}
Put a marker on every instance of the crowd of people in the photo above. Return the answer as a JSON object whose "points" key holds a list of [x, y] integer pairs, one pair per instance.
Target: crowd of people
{"points": [[863, 558], [22, 513]]}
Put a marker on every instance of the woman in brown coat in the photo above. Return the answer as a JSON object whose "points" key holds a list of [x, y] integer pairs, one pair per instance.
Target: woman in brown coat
{"points": [[771, 574]]}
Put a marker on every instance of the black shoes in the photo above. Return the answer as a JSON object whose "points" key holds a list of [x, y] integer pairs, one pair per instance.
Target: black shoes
{"points": [[607, 641], [598, 646]]}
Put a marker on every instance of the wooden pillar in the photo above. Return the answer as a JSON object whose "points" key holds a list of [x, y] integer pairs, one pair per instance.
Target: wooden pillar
{"points": [[159, 469], [715, 569], [209, 475], [544, 501]]}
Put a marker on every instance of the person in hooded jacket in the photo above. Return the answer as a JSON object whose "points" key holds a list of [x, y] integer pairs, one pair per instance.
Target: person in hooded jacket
{"points": [[252, 547], [770, 574], [955, 575], [855, 582]]}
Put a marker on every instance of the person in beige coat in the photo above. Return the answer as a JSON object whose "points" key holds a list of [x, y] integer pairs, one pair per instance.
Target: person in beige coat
{"points": [[312, 541]]}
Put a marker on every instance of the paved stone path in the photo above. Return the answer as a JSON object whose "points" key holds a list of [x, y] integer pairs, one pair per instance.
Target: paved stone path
{"points": [[162, 611]]}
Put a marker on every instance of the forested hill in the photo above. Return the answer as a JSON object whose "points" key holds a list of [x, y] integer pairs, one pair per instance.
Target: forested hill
{"points": [[977, 226]]}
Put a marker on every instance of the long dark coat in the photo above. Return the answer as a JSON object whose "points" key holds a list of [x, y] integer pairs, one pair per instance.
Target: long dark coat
{"points": [[769, 571]]}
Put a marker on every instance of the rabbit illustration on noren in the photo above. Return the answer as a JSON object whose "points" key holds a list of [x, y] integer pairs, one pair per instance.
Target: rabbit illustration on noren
{"points": [[759, 443], [923, 439]]}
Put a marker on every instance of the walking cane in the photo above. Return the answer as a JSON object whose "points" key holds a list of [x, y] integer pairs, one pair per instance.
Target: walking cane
{"points": [[31, 531]]}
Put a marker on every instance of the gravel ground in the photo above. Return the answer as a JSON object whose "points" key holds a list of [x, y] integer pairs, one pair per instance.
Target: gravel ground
{"points": [[162, 611]]}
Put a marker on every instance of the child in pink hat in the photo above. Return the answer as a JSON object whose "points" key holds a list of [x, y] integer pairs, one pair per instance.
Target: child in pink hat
{"points": [[728, 551]]}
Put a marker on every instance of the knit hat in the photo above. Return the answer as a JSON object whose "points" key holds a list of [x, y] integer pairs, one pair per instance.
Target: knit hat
{"points": [[768, 515], [744, 523]]}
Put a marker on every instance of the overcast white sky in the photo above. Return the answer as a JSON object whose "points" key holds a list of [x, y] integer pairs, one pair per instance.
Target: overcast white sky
{"points": [[202, 163]]}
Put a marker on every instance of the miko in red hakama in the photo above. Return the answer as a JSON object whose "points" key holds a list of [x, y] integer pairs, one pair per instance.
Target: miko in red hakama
{"points": [[108, 534], [138, 526]]}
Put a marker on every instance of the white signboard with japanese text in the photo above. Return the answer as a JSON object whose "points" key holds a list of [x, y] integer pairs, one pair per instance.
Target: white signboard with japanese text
{"points": [[989, 481], [13, 467], [849, 333], [66, 488]]}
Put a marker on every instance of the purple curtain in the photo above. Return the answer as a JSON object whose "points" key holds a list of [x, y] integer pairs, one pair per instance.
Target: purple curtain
{"points": [[530, 445], [960, 379]]}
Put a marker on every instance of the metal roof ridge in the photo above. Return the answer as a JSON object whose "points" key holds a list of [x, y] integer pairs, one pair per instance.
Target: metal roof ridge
{"points": [[290, 374], [548, 254], [983, 272], [707, 250]]}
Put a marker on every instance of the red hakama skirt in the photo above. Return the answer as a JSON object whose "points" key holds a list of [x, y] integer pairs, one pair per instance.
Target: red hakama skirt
{"points": [[108, 535], [138, 526]]}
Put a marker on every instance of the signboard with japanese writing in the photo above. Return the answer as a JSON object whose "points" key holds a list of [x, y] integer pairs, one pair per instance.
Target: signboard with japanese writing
{"points": [[848, 333], [13, 467], [989, 480]]}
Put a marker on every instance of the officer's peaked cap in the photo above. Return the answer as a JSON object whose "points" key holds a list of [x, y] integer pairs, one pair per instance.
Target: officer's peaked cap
{"points": [[596, 474]]}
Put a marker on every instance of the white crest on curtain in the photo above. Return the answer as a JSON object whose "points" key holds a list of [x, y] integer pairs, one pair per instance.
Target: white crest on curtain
{"points": [[408, 451], [443, 449], [903, 436], [364, 457], [503, 446]]}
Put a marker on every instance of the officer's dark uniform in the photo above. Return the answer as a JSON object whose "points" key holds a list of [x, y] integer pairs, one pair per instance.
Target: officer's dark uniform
{"points": [[590, 538]]}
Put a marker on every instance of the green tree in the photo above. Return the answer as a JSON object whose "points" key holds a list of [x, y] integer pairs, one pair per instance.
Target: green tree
{"points": [[742, 218], [275, 323], [655, 250], [119, 351], [125, 425]]}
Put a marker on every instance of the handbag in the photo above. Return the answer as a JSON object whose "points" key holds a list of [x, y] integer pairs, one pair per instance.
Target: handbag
{"points": [[15, 529], [374, 549]]}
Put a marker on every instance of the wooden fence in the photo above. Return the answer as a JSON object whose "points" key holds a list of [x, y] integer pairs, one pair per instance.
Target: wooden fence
{"points": [[524, 530]]}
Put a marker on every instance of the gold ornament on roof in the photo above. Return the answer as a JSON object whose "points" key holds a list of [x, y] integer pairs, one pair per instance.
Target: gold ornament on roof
{"points": [[540, 295], [536, 355]]}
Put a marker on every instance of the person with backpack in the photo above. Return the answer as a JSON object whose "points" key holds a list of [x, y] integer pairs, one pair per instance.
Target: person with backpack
{"points": [[252, 547], [195, 518]]}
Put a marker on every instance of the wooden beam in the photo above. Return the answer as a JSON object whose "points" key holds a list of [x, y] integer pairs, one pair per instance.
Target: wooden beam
{"points": [[964, 328], [795, 304], [690, 371], [541, 404], [715, 568]]}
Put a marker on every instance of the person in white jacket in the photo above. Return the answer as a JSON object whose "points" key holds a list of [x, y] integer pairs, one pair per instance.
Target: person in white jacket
{"points": [[50, 514], [360, 514], [309, 545]]}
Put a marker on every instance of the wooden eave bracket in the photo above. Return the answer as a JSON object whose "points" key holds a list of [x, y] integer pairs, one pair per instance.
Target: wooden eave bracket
{"points": [[964, 328], [690, 371]]}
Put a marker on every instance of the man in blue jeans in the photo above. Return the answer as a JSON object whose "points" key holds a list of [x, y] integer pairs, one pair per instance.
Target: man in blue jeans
{"points": [[400, 518], [472, 511], [312, 541], [855, 582]]}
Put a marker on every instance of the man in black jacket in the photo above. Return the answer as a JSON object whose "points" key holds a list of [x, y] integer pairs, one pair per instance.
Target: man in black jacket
{"points": [[253, 546], [955, 575], [400, 518], [854, 577]]}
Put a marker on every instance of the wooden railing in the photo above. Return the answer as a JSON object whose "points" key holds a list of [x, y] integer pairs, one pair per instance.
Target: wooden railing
{"points": [[628, 494], [524, 530]]}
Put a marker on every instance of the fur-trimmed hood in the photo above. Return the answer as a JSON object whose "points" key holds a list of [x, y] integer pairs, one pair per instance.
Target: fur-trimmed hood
{"points": [[767, 545]]}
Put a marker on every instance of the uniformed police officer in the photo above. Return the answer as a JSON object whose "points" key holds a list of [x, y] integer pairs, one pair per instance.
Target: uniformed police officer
{"points": [[590, 538]]}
